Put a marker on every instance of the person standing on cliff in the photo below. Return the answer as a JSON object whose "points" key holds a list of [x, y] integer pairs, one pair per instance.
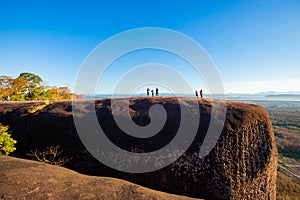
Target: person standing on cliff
{"points": [[196, 93], [156, 91], [152, 93], [148, 90], [201, 93]]}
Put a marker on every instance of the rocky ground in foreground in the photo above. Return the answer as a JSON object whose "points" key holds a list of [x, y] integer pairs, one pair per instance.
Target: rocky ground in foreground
{"points": [[24, 179]]}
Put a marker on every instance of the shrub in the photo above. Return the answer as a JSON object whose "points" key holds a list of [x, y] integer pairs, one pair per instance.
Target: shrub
{"points": [[52, 155], [7, 144], [17, 97]]}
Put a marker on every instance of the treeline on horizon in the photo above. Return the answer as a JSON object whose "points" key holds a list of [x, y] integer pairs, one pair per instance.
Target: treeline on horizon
{"points": [[28, 86]]}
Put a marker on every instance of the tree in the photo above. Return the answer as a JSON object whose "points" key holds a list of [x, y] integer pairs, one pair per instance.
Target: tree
{"points": [[28, 86], [6, 85], [19, 86], [32, 79], [39, 93], [7, 144], [64, 92], [54, 93], [60, 93], [5, 82]]}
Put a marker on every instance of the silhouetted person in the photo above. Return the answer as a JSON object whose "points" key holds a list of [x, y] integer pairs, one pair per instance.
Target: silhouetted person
{"points": [[196, 93], [148, 90], [156, 91], [152, 93], [201, 93]]}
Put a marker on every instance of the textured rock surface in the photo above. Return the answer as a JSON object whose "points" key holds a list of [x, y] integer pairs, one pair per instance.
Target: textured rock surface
{"points": [[24, 179], [242, 164]]}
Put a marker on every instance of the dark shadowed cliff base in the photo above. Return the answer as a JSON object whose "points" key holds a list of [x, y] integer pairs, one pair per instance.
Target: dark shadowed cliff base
{"points": [[242, 165]]}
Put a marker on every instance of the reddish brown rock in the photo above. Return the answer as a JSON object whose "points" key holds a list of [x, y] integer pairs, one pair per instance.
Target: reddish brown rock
{"points": [[242, 164], [25, 179]]}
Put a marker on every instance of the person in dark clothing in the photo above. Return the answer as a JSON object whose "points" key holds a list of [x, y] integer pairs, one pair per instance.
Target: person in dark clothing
{"points": [[152, 93], [148, 90], [196, 93], [156, 91], [201, 93]]}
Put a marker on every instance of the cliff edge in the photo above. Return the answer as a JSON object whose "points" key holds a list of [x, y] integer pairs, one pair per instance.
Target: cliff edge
{"points": [[242, 165]]}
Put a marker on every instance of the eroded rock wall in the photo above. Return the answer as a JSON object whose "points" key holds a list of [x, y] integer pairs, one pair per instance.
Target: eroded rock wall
{"points": [[242, 165]]}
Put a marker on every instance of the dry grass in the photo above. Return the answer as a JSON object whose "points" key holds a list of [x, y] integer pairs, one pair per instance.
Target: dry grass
{"points": [[287, 189]]}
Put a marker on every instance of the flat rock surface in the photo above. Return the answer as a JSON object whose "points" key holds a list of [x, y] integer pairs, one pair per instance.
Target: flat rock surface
{"points": [[24, 179]]}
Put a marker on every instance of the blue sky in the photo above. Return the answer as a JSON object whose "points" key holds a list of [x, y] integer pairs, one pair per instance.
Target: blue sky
{"points": [[255, 44]]}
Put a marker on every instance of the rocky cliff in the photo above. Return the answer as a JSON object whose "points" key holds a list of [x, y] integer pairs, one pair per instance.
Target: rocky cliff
{"points": [[242, 164]]}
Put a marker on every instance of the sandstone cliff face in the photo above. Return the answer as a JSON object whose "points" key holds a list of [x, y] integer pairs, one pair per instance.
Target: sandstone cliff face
{"points": [[242, 165]]}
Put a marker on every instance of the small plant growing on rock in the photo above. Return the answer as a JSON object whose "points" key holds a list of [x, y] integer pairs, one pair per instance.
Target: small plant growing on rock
{"points": [[7, 144], [52, 155]]}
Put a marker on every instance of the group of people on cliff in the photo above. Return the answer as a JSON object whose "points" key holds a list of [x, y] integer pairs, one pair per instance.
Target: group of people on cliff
{"points": [[200, 92], [156, 92], [152, 92]]}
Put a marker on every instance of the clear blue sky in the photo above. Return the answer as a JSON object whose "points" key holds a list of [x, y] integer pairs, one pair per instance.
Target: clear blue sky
{"points": [[255, 44]]}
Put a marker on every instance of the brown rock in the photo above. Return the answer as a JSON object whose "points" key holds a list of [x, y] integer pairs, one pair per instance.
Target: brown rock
{"points": [[24, 179], [242, 165]]}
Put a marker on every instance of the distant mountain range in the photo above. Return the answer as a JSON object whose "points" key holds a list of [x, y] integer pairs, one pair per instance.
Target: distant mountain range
{"points": [[271, 95], [283, 95], [280, 96]]}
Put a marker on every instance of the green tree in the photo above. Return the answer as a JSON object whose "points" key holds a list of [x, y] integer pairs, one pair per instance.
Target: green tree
{"points": [[7, 144], [32, 79], [39, 93]]}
